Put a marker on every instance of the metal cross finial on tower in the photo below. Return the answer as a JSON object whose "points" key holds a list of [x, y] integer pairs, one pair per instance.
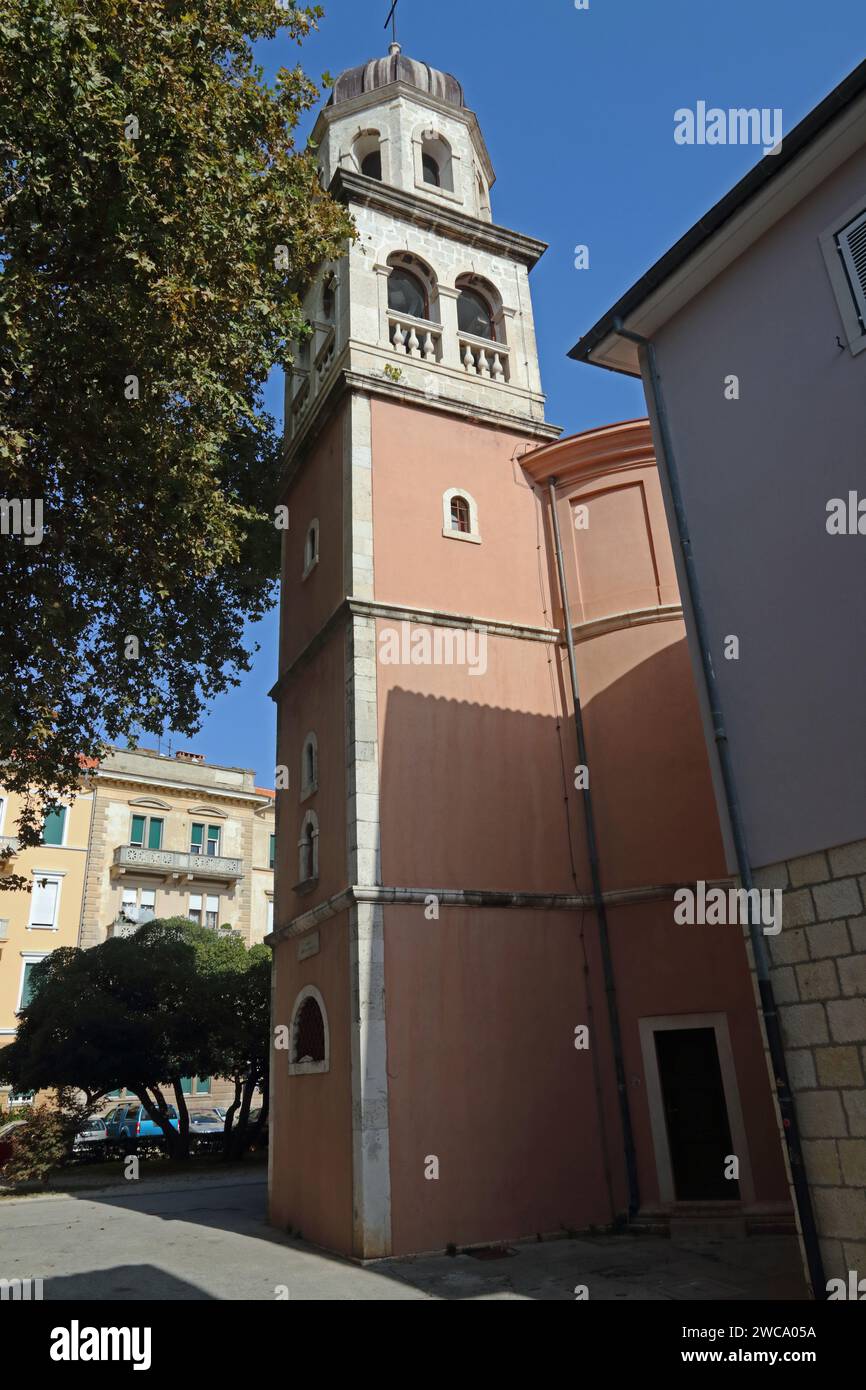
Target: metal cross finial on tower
{"points": [[392, 20]]}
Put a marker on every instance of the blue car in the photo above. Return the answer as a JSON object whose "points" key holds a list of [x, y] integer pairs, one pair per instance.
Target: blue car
{"points": [[130, 1124]]}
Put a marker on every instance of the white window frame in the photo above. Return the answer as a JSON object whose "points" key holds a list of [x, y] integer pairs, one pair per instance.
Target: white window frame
{"points": [[648, 1027], [310, 564], [845, 295], [54, 875], [473, 534], [27, 958], [137, 894], [309, 1068]]}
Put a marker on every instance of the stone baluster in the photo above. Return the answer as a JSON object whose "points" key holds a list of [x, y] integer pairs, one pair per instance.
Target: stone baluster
{"points": [[429, 347], [469, 360], [414, 345], [399, 338], [483, 365], [498, 370]]}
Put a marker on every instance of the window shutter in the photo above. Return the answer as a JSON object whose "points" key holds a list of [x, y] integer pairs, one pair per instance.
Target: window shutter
{"points": [[137, 833], [213, 904], [197, 836], [852, 249], [43, 902], [154, 835], [26, 988], [52, 830], [195, 902]]}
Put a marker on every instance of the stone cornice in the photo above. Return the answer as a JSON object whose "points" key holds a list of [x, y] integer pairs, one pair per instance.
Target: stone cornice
{"points": [[350, 187], [186, 789], [377, 894], [345, 379], [582, 457], [635, 617], [425, 617]]}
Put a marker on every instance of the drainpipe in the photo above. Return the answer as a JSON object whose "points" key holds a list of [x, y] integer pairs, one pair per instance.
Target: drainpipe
{"points": [[595, 874], [790, 1127]]}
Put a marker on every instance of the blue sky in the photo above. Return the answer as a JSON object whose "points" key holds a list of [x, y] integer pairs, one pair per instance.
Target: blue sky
{"points": [[577, 107]]}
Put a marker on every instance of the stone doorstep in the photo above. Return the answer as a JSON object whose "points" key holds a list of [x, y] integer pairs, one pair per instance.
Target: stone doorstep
{"points": [[725, 1220]]}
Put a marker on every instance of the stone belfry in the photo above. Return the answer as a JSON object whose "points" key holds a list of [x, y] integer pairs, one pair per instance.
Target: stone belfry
{"points": [[406, 411]]}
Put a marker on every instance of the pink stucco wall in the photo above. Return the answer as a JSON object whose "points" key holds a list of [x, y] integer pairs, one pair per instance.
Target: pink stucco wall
{"points": [[311, 1122]]}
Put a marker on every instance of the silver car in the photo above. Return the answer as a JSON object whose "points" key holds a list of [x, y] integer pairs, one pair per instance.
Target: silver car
{"points": [[90, 1140]]}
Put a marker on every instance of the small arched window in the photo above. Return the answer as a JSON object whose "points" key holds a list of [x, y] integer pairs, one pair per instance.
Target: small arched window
{"points": [[474, 315], [308, 850], [431, 170], [371, 165], [311, 548], [309, 766], [460, 516], [310, 1042], [407, 293]]}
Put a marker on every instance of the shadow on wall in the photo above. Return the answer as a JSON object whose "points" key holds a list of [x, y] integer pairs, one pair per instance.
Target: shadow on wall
{"points": [[478, 796]]}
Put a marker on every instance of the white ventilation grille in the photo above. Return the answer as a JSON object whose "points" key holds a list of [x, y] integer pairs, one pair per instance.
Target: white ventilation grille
{"points": [[852, 248]]}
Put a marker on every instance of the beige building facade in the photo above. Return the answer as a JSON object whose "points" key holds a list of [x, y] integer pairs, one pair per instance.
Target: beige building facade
{"points": [[36, 921], [149, 835]]}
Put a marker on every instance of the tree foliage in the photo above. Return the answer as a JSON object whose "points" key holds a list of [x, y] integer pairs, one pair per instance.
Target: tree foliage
{"points": [[156, 225], [172, 1000]]}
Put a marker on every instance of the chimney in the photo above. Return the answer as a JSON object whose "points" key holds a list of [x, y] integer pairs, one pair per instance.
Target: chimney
{"points": [[183, 757]]}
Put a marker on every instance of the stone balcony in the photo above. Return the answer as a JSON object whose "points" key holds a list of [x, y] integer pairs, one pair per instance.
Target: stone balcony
{"points": [[175, 864]]}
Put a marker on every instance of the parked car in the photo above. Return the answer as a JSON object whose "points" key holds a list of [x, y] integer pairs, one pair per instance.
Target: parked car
{"points": [[131, 1126], [91, 1140], [7, 1139], [206, 1129]]}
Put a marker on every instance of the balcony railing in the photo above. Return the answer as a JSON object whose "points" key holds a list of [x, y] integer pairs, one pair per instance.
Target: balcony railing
{"points": [[9, 844], [412, 337], [484, 357], [172, 863]]}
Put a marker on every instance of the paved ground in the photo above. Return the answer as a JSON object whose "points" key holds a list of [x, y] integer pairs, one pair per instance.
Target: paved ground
{"points": [[177, 1241]]}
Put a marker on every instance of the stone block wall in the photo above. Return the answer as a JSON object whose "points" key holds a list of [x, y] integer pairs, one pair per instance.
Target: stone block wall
{"points": [[818, 973]]}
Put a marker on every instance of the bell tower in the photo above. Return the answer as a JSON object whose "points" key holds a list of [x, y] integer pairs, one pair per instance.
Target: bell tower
{"points": [[407, 411]]}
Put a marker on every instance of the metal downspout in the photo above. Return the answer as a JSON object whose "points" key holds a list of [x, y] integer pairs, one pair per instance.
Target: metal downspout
{"points": [[598, 899], [790, 1127]]}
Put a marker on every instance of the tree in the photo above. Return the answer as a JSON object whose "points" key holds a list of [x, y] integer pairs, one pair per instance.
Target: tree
{"points": [[143, 1012], [156, 225], [127, 1013]]}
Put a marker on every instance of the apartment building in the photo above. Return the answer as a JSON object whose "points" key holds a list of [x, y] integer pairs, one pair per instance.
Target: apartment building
{"points": [[177, 837], [34, 923], [149, 835]]}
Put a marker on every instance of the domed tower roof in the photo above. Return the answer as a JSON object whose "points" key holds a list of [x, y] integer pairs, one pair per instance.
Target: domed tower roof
{"points": [[381, 72]]}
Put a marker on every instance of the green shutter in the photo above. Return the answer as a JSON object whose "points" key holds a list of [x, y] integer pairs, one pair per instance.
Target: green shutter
{"points": [[202, 1086], [137, 833], [213, 839], [197, 837], [52, 830], [273, 851], [27, 988], [186, 1085], [154, 835]]}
